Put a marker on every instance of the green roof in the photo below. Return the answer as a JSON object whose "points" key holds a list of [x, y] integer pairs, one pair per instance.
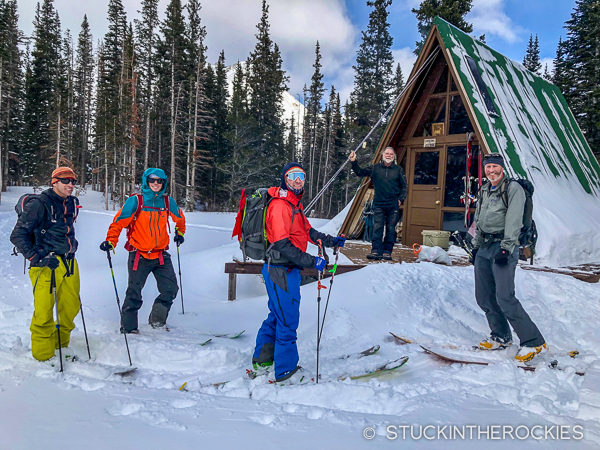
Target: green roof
{"points": [[521, 115]]}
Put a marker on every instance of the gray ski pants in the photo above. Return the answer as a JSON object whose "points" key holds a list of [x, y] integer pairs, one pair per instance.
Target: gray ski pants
{"points": [[495, 294]]}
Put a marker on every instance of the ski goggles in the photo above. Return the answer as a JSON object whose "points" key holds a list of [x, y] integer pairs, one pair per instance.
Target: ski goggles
{"points": [[67, 181], [156, 180], [293, 176]]}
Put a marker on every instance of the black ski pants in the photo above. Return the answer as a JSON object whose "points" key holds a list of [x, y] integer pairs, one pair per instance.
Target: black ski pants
{"points": [[495, 294], [166, 281], [384, 217]]}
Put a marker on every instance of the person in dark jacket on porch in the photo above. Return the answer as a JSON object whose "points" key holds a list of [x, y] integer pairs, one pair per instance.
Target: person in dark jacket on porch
{"points": [[390, 191]]}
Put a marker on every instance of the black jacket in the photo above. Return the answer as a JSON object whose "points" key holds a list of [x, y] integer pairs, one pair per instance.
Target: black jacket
{"points": [[389, 182], [46, 225]]}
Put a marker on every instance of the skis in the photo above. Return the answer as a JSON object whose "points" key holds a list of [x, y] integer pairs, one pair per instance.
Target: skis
{"points": [[368, 352], [378, 371], [473, 361], [467, 198], [225, 335], [119, 371], [381, 370], [390, 366], [466, 246]]}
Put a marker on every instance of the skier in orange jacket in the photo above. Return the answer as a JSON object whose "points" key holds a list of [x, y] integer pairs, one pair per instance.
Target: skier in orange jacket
{"points": [[147, 243]]}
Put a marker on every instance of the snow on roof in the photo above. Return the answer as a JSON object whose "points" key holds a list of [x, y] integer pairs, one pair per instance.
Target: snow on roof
{"points": [[527, 120]]}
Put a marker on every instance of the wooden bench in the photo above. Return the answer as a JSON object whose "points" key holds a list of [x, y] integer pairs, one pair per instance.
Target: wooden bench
{"points": [[254, 268]]}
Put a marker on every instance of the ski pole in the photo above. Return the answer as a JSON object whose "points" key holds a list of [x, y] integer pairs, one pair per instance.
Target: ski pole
{"points": [[319, 287], [180, 285], [53, 289], [87, 343], [118, 303], [336, 252]]}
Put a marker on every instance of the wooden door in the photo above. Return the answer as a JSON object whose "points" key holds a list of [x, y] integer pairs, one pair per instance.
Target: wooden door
{"points": [[424, 204]]}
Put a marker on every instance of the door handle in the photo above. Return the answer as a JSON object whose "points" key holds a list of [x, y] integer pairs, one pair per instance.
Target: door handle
{"points": [[437, 202], [436, 188]]}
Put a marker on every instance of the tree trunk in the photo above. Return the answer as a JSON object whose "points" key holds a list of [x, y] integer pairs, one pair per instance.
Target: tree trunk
{"points": [[173, 121], [105, 175], [58, 132], [195, 138], [189, 158]]}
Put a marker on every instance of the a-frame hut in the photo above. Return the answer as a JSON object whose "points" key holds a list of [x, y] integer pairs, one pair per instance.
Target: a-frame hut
{"points": [[462, 86]]}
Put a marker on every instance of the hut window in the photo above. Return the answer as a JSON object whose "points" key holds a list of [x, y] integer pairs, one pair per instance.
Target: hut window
{"points": [[487, 99], [453, 221], [455, 173], [426, 167], [459, 120], [442, 84], [453, 87], [435, 111]]}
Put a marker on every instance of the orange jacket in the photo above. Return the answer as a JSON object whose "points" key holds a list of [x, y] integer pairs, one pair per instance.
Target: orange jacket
{"points": [[150, 233]]}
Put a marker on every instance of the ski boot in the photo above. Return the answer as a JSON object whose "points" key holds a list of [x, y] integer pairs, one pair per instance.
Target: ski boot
{"points": [[527, 354], [494, 343]]}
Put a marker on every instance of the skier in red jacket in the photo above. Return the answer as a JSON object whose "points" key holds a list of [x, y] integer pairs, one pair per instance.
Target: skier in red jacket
{"points": [[288, 233]]}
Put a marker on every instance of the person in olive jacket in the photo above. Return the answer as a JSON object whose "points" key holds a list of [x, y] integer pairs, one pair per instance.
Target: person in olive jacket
{"points": [[390, 191], [495, 256], [45, 235]]}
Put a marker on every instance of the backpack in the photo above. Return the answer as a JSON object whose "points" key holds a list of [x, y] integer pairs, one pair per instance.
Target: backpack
{"points": [[528, 236], [140, 204], [50, 216], [250, 227]]}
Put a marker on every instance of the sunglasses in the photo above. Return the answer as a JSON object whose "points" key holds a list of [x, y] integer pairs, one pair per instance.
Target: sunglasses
{"points": [[68, 181], [156, 180], [296, 176]]}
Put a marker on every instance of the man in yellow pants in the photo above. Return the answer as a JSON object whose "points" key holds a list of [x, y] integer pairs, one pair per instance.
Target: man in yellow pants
{"points": [[45, 235]]}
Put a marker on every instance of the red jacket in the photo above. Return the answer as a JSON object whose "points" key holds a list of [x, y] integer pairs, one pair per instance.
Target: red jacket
{"points": [[286, 219], [288, 231]]}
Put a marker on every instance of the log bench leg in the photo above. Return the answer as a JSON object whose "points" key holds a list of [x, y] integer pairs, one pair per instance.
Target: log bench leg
{"points": [[231, 287]]}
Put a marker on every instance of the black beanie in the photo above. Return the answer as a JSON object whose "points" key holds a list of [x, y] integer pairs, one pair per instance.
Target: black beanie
{"points": [[494, 158]]}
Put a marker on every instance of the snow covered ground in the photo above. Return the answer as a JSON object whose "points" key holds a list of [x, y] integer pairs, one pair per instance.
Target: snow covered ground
{"points": [[87, 406]]}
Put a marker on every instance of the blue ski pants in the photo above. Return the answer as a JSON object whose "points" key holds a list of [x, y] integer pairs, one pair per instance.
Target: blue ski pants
{"points": [[279, 328]]}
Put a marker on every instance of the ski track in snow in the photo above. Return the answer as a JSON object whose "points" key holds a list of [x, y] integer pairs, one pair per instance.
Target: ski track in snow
{"points": [[432, 304]]}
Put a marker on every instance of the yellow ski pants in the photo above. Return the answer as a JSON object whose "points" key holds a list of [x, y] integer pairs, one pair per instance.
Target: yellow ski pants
{"points": [[44, 339]]}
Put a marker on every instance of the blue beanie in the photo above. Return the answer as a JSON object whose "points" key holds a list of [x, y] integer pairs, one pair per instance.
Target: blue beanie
{"points": [[285, 169], [494, 158]]}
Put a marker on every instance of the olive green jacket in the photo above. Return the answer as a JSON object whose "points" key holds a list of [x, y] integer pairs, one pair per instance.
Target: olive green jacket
{"points": [[492, 217]]}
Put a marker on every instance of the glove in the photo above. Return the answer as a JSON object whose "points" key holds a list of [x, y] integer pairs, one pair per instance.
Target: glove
{"points": [[178, 239], [339, 241], [50, 261], [36, 258], [473, 255], [501, 257], [320, 263], [106, 246]]}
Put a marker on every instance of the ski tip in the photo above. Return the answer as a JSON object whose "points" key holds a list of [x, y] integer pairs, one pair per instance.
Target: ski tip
{"points": [[401, 340], [127, 372], [183, 387]]}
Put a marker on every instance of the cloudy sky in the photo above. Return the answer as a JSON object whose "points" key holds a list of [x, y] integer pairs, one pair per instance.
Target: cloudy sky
{"points": [[296, 25]]}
